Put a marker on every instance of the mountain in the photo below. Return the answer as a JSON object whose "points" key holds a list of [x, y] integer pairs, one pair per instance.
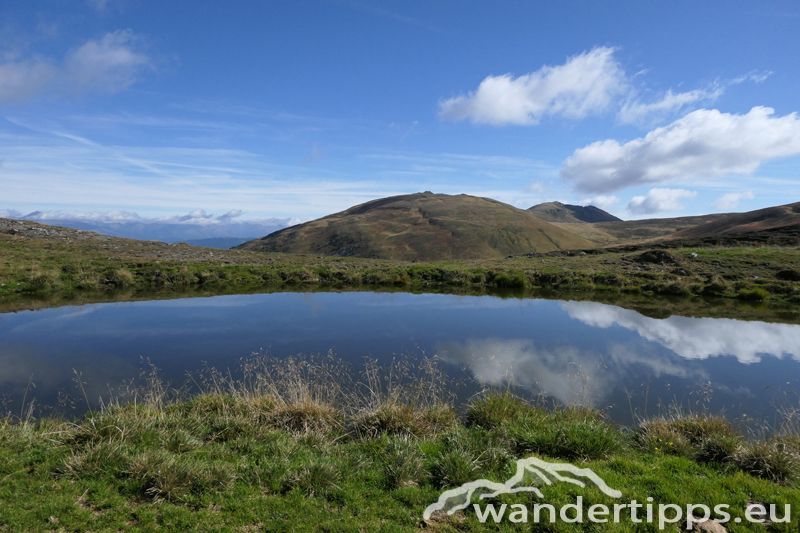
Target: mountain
{"points": [[782, 216], [629, 231], [153, 230], [771, 220], [423, 226], [558, 212]]}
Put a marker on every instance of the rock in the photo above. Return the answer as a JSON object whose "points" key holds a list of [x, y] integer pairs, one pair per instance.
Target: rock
{"points": [[656, 256], [708, 526], [441, 519]]}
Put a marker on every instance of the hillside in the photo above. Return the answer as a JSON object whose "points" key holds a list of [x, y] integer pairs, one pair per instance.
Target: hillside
{"points": [[631, 231], [770, 218], [558, 212], [425, 227]]}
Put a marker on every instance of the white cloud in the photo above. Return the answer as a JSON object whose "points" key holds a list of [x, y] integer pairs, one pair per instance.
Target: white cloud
{"points": [[535, 187], [98, 5], [107, 65], [603, 202], [10, 213], [586, 84], [704, 143], [20, 79], [565, 373], [198, 216], [634, 111], [731, 200], [659, 200], [697, 338]]}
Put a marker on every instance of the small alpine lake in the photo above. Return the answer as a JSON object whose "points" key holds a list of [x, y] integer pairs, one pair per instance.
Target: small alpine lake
{"points": [[614, 358]]}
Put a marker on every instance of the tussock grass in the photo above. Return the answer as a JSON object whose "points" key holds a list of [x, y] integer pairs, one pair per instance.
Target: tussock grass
{"points": [[771, 460], [493, 409], [287, 438], [403, 399], [403, 462]]}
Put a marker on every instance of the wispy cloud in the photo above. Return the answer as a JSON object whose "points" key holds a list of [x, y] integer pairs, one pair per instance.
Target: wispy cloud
{"points": [[99, 5], [636, 110], [392, 15], [43, 171], [314, 156]]}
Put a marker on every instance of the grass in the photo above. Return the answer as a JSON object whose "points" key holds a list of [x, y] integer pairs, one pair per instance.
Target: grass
{"points": [[90, 263], [295, 445]]}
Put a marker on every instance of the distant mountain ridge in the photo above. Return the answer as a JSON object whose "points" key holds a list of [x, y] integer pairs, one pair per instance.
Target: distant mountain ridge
{"points": [[426, 227], [165, 231], [558, 212]]}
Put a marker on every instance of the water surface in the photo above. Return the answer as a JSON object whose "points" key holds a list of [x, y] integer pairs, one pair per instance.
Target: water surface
{"points": [[601, 354]]}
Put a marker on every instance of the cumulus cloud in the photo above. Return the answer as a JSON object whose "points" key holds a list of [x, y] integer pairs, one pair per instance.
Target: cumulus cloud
{"points": [[601, 201], [565, 373], [697, 338], [107, 65], [659, 200], [230, 215], [558, 373], [704, 143], [586, 84], [731, 200]]}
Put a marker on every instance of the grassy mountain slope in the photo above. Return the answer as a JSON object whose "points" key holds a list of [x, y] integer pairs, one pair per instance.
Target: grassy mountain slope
{"points": [[632, 231], [558, 212], [770, 220], [782, 216], [426, 227]]}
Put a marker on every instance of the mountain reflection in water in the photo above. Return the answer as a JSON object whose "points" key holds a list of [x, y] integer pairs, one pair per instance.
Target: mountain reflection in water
{"points": [[606, 355]]}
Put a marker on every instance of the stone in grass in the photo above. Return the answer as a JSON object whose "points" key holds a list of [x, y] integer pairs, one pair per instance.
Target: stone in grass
{"points": [[656, 256], [706, 526]]}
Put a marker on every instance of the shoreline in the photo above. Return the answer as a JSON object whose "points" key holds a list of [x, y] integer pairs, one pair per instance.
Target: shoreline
{"points": [[70, 261]]}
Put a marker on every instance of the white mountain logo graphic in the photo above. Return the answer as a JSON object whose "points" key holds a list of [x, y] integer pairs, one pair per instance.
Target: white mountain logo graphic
{"points": [[531, 468]]}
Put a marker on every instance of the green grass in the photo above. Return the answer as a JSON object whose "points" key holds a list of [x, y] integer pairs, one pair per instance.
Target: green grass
{"points": [[42, 266], [285, 448]]}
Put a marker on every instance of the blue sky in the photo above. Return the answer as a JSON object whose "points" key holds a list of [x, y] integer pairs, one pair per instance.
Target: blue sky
{"points": [[298, 109]]}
